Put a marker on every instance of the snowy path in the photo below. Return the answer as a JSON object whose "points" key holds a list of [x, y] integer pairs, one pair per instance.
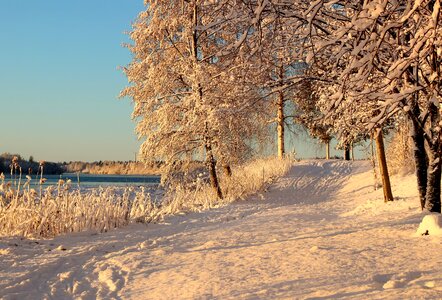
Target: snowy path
{"points": [[318, 233]]}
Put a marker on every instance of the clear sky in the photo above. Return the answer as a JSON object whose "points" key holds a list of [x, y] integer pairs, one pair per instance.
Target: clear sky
{"points": [[59, 80]]}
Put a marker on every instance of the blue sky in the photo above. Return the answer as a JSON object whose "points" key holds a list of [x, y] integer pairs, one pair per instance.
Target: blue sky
{"points": [[59, 80]]}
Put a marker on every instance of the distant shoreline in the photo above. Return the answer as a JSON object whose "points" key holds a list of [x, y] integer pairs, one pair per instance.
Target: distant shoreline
{"points": [[113, 168], [31, 167]]}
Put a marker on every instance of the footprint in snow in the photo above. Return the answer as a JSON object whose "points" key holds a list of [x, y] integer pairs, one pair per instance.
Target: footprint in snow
{"points": [[205, 246], [111, 277], [394, 281], [149, 244]]}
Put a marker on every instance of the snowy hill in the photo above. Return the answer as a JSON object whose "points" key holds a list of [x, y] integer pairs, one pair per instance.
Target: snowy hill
{"points": [[320, 232]]}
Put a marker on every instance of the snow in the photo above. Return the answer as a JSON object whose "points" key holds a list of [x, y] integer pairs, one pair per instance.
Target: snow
{"points": [[430, 225], [320, 232]]}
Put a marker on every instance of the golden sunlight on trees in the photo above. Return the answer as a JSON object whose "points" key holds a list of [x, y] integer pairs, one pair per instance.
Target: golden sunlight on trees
{"points": [[205, 73]]}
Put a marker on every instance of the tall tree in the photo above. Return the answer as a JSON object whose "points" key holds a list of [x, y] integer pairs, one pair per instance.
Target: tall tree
{"points": [[188, 102]]}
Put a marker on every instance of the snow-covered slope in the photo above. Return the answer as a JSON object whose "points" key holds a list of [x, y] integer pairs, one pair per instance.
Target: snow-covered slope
{"points": [[320, 232]]}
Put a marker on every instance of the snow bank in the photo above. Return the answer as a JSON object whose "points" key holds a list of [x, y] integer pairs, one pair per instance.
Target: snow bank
{"points": [[430, 225]]}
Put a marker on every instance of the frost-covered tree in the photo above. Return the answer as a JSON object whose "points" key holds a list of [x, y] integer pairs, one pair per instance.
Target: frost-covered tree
{"points": [[390, 56], [319, 33], [190, 102], [307, 112], [279, 47], [379, 57], [277, 38]]}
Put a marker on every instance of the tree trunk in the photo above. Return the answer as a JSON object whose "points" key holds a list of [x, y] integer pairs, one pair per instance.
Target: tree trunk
{"points": [[420, 155], [373, 163], [346, 152], [327, 150], [194, 33], [280, 124], [211, 165], [418, 137], [383, 169], [210, 160], [432, 198], [352, 151]]}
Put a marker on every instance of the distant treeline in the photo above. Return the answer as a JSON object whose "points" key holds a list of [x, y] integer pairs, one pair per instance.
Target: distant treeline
{"points": [[101, 167], [113, 167], [29, 166]]}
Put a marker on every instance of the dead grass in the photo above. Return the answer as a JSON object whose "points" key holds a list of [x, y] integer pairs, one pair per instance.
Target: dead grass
{"points": [[58, 210]]}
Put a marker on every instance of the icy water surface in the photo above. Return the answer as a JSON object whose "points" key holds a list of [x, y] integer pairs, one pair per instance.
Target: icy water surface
{"points": [[88, 180]]}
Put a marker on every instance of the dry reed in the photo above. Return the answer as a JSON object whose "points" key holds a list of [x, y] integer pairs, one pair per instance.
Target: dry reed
{"points": [[58, 210]]}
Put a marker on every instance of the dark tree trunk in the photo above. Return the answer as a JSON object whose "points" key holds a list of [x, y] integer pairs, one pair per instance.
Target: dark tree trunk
{"points": [[211, 165], [420, 155], [346, 152], [418, 138], [210, 160], [373, 162], [432, 198], [380, 149], [280, 125]]}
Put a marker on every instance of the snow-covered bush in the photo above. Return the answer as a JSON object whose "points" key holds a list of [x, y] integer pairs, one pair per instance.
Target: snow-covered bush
{"points": [[399, 154]]}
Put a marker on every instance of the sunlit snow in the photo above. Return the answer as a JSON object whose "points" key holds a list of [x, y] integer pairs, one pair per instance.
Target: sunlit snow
{"points": [[320, 232]]}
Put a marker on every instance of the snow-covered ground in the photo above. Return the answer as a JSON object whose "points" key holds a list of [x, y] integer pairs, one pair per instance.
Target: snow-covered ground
{"points": [[320, 232]]}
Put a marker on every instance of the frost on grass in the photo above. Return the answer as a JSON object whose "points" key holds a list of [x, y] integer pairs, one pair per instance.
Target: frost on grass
{"points": [[28, 214], [57, 210]]}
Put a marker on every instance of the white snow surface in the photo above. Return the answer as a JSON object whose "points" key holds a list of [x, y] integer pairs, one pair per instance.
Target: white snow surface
{"points": [[430, 225], [320, 232]]}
